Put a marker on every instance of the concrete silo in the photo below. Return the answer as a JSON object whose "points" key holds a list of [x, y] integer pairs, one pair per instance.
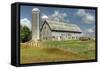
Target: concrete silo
{"points": [[35, 24]]}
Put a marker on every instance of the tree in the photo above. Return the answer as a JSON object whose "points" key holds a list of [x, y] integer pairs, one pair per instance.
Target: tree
{"points": [[25, 34]]}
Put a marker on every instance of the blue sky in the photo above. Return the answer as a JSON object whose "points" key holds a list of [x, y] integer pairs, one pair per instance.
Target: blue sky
{"points": [[84, 18]]}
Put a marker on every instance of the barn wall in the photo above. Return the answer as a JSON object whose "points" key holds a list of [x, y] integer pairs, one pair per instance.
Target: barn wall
{"points": [[65, 36], [45, 32]]}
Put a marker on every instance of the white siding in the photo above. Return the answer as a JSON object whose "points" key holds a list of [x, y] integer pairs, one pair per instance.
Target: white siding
{"points": [[65, 36], [46, 32]]}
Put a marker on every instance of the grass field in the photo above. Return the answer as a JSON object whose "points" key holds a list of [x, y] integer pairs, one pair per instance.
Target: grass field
{"points": [[53, 51]]}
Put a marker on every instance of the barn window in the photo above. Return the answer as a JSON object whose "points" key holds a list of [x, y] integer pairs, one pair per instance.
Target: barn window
{"points": [[72, 37], [45, 27], [69, 34], [53, 36]]}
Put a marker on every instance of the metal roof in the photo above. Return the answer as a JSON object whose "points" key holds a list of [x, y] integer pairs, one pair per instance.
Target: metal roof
{"points": [[61, 26]]}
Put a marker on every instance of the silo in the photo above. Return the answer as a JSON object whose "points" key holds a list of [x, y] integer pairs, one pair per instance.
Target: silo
{"points": [[35, 24]]}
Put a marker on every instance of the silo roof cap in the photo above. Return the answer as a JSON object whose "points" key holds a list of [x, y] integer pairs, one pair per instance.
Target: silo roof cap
{"points": [[35, 10]]}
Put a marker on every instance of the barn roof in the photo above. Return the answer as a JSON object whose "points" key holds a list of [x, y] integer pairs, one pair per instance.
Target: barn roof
{"points": [[61, 26]]}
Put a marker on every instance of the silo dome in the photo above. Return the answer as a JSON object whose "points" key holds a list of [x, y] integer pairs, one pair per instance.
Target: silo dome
{"points": [[44, 17], [35, 10]]}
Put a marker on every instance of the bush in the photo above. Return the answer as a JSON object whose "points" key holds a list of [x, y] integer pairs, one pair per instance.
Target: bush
{"points": [[84, 38]]}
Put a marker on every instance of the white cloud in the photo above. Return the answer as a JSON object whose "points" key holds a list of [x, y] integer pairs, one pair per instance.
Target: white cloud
{"points": [[91, 30], [25, 22], [81, 12], [56, 13], [86, 17], [58, 16]]}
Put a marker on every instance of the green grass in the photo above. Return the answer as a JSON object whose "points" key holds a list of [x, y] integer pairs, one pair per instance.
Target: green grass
{"points": [[52, 51]]}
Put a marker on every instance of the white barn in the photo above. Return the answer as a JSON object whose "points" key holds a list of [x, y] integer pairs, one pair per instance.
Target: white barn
{"points": [[59, 31]]}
